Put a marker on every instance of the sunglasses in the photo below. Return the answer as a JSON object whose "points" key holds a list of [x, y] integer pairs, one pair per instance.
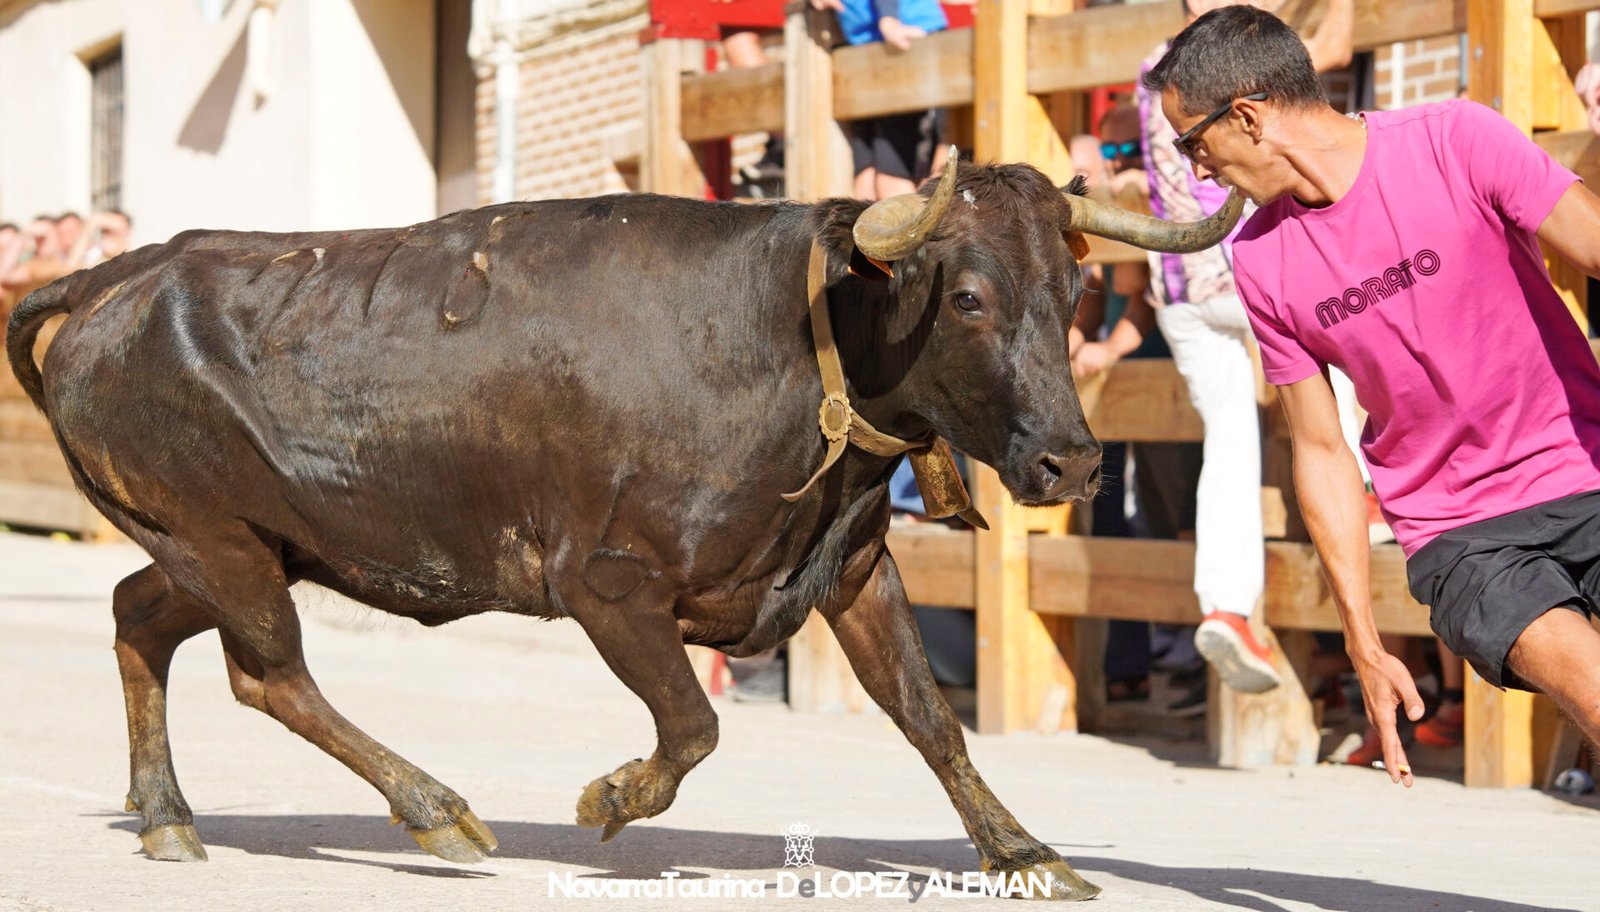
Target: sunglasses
{"points": [[1127, 149], [1185, 142]]}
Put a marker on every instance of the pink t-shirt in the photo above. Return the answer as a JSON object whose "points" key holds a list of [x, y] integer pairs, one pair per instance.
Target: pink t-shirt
{"points": [[1426, 285]]}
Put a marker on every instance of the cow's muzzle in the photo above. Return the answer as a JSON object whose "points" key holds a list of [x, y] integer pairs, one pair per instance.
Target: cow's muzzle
{"points": [[1072, 474]]}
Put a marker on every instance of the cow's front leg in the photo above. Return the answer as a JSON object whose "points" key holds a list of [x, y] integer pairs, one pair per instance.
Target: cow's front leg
{"points": [[878, 634], [639, 638]]}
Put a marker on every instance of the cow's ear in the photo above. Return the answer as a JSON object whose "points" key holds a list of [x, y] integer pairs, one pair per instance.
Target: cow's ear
{"points": [[833, 232], [917, 285], [1078, 244]]}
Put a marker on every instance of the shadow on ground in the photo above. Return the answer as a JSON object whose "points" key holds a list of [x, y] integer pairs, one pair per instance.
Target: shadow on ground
{"points": [[647, 851]]}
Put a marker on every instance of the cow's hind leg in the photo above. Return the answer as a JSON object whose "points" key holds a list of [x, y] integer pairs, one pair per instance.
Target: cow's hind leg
{"points": [[243, 585], [152, 619], [644, 649], [878, 634]]}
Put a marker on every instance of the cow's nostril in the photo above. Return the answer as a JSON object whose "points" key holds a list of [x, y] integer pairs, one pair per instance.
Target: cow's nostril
{"points": [[1052, 466], [1094, 479]]}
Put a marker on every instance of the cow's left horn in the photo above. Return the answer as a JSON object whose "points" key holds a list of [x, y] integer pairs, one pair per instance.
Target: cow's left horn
{"points": [[1118, 224], [894, 228]]}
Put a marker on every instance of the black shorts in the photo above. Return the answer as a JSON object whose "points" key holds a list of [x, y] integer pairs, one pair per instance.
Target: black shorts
{"points": [[900, 145], [1487, 581]]}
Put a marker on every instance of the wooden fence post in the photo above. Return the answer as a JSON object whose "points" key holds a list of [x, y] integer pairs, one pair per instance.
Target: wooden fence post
{"points": [[1024, 676], [816, 165], [668, 164]]}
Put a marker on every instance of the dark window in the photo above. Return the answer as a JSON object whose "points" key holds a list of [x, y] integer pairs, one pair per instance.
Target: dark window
{"points": [[105, 144]]}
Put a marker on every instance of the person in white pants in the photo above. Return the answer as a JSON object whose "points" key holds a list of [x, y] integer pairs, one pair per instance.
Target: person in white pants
{"points": [[1200, 314]]}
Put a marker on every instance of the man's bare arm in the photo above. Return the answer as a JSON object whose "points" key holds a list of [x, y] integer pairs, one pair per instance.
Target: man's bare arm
{"points": [[1327, 483], [1572, 227], [1333, 45]]}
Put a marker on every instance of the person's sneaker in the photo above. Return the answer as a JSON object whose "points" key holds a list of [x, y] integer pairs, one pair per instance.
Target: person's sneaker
{"points": [[1444, 727], [1369, 751], [1241, 661]]}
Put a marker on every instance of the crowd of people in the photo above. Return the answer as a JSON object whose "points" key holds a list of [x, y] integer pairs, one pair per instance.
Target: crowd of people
{"points": [[52, 246]]}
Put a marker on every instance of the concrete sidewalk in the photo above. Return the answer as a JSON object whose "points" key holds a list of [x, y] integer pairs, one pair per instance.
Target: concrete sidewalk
{"points": [[518, 716]]}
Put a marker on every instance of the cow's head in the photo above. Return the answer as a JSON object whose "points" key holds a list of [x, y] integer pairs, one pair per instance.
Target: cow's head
{"points": [[968, 336]]}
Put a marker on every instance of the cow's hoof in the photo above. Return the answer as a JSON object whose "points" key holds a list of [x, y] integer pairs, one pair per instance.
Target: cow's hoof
{"points": [[634, 791], [467, 841], [173, 842], [1063, 883]]}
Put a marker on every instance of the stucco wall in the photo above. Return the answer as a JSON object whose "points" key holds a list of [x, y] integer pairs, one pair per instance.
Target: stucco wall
{"points": [[344, 140]]}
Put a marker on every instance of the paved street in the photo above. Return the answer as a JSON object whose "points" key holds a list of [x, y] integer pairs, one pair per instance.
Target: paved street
{"points": [[518, 716]]}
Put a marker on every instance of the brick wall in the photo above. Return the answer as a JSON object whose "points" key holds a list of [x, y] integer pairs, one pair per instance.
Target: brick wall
{"points": [[1429, 70], [577, 111]]}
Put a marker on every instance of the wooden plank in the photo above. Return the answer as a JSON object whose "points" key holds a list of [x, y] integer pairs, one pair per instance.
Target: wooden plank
{"points": [[1104, 45], [820, 677], [871, 80], [34, 461], [1119, 578], [936, 564], [1500, 55], [730, 102], [1559, 50], [1548, 9], [1575, 150], [1249, 731], [1141, 400], [1498, 736], [1297, 594], [50, 506], [1024, 679], [1000, 81], [1099, 46], [19, 420], [668, 165], [816, 160]]}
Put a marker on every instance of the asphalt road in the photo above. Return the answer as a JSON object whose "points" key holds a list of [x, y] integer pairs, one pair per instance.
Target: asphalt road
{"points": [[518, 716]]}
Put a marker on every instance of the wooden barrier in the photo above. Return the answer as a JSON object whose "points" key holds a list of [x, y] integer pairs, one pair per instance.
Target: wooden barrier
{"points": [[1028, 588]]}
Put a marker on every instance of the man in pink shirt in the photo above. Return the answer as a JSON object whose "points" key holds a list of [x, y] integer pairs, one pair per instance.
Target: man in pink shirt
{"points": [[1402, 247]]}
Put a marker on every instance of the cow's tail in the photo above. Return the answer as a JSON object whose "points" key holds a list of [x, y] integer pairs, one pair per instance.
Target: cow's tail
{"points": [[23, 328]]}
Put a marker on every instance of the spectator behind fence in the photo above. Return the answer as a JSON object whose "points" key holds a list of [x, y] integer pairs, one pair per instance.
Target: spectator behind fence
{"points": [[894, 152], [1118, 321], [30, 259], [1201, 316], [743, 49]]}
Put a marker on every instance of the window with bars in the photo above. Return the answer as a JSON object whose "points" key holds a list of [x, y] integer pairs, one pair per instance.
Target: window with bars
{"points": [[105, 144]]}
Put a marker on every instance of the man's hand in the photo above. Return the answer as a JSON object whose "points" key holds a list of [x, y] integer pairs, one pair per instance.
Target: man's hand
{"points": [[1385, 684], [1091, 358], [897, 34]]}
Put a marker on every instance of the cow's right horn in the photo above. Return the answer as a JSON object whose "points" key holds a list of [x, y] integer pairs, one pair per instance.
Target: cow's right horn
{"points": [[1118, 224], [892, 229]]}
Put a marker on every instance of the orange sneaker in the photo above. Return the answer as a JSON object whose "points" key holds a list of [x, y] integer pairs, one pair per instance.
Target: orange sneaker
{"points": [[1225, 640], [1444, 727], [1370, 751]]}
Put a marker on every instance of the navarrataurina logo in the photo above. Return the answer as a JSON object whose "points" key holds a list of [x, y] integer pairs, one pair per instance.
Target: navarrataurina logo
{"points": [[799, 850], [1370, 292]]}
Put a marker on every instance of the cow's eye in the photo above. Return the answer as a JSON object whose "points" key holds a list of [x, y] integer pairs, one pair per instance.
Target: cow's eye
{"points": [[967, 302]]}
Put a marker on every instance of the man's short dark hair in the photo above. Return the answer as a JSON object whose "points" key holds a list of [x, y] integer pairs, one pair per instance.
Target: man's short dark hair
{"points": [[118, 212], [69, 214], [1232, 52], [9, 226]]}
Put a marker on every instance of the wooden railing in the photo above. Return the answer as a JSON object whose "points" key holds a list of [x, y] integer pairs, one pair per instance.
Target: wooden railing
{"points": [[1027, 581]]}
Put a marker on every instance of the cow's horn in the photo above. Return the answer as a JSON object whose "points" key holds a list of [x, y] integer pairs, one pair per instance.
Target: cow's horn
{"points": [[894, 228], [1118, 224]]}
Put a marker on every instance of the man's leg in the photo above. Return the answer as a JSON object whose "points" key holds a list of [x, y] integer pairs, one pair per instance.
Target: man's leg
{"points": [[1208, 342], [1559, 653]]}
